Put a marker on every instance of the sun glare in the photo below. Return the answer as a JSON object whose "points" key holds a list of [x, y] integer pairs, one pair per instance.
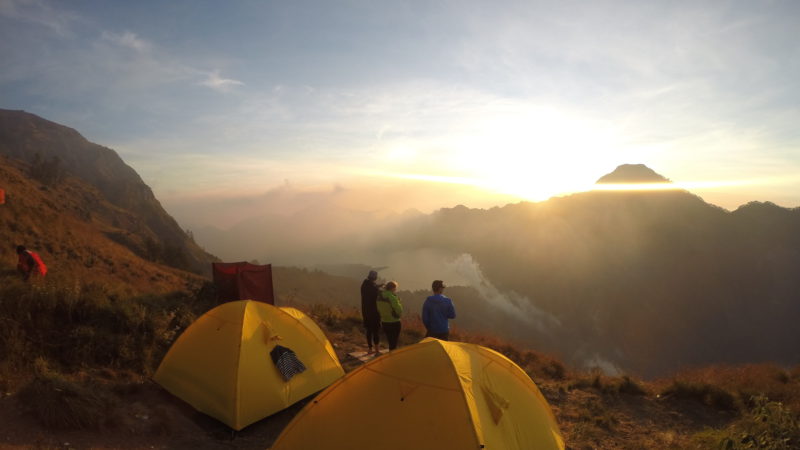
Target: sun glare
{"points": [[636, 187], [687, 185], [535, 153], [529, 153]]}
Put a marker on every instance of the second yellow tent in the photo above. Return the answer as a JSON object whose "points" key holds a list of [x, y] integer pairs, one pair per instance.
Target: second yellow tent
{"points": [[432, 395]]}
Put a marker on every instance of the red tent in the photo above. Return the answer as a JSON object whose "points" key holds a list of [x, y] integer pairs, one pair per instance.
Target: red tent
{"points": [[243, 281]]}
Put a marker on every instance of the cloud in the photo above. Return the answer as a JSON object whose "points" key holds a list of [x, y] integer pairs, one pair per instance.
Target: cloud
{"points": [[121, 70], [216, 82], [39, 12], [127, 39]]}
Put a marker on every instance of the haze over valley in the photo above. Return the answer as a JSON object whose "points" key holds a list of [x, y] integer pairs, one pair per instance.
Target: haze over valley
{"points": [[646, 281]]}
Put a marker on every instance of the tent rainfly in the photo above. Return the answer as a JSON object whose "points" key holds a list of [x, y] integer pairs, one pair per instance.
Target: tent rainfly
{"points": [[222, 363], [432, 395]]}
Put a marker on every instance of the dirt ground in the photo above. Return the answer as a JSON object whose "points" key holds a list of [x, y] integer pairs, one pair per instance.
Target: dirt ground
{"points": [[149, 418]]}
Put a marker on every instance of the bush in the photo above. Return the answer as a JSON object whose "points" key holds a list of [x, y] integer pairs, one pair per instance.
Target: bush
{"points": [[335, 318], [607, 385], [767, 425], [555, 370], [704, 393], [629, 386], [594, 412]]}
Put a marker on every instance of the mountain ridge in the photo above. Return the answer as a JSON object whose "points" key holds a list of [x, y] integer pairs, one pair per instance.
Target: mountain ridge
{"points": [[53, 151]]}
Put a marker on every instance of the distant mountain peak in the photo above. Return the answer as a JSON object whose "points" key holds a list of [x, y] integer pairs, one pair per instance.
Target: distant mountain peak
{"points": [[632, 173]]}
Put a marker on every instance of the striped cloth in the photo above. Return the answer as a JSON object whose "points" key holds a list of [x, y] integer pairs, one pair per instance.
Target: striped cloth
{"points": [[286, 361]]}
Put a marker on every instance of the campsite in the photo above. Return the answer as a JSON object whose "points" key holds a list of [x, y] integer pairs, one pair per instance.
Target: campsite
{"points": [[316, 225], [78, 399]]}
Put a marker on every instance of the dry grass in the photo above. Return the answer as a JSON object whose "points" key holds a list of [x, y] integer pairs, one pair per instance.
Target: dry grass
{"points": [[704, 393], [59, 403], [74, 325], [752, 380]]}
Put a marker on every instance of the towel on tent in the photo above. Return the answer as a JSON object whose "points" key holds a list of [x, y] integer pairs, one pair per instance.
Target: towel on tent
{"points": [[286, 361]]}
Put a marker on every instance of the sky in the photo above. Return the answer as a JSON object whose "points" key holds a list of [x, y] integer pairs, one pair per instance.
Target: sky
{"points": [[416, 104]]}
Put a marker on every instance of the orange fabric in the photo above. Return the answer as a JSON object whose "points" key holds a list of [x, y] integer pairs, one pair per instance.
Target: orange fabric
{"points": [[39, 263], [24, 264]]}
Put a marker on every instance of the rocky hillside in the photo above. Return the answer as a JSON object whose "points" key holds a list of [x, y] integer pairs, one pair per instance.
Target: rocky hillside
{"points": [[51, 154]]}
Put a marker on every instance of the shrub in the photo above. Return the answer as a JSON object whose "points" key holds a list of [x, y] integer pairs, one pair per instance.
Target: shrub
{"points": [[767, 425], [629, 386], [335, 318], [594, 412], [555, 370], [704, 393], [607, 385]]}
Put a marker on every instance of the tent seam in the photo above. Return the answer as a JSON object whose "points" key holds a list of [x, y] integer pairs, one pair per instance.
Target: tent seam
{"points": [[237, 387], [464, 398]]}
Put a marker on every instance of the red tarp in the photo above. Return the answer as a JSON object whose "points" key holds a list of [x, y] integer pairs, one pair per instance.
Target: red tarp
{"points": [[243, 281]]}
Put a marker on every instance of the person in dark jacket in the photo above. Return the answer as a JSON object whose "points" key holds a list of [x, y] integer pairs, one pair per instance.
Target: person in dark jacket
{"points": [[369, 311], [436, 311], [29, 263]]}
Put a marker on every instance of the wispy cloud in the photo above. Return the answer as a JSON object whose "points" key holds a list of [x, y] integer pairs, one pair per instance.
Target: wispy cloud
{"points": [[127, 39], [39, 12], [122, 69], [215, 81]]}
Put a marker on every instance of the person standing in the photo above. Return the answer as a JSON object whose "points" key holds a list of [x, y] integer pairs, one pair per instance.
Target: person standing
{"points": [[391, 310], [369, 311], [29, 263], [436, 311]]}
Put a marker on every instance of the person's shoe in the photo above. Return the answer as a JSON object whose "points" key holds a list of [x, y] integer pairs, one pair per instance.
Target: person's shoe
{"points": [[369, 352]]}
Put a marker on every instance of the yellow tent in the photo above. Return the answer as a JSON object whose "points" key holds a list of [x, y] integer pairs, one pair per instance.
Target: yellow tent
{"points": [[221, 364], [432, 395]]}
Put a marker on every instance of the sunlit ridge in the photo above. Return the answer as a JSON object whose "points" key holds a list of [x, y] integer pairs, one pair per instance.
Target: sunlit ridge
{"points": [[526, 193]]}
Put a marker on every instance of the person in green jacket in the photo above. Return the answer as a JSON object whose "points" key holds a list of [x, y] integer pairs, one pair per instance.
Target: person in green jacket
{"points": [[390, 309]]}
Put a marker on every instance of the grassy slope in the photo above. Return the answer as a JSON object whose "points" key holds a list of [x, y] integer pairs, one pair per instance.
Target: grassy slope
{"points": [[74, 230]]}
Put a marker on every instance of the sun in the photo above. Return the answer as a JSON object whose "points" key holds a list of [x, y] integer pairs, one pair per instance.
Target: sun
{"points": [[536, 154]]}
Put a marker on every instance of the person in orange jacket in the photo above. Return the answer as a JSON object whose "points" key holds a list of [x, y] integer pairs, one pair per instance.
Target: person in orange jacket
{"points": [[29, 262]]}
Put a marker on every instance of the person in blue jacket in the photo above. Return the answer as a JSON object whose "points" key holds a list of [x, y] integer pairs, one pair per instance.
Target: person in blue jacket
{"points": [[436, 311]]}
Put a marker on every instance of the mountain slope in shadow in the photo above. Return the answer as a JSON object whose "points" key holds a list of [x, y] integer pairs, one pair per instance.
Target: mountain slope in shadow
{"points": [[649, 281]]}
